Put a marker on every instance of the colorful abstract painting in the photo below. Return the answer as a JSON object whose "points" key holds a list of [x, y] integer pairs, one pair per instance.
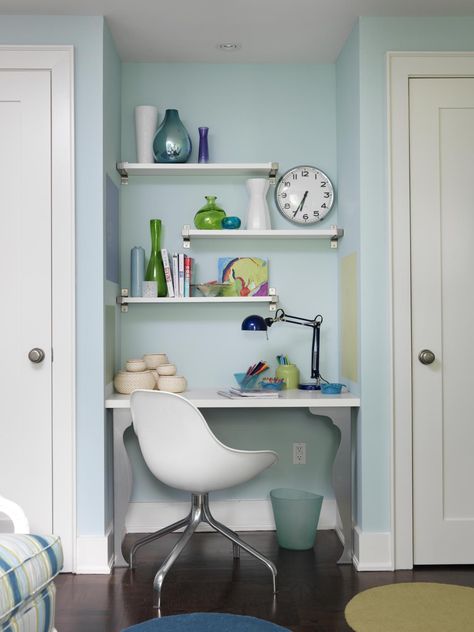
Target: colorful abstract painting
{"points": [[247, 276]]}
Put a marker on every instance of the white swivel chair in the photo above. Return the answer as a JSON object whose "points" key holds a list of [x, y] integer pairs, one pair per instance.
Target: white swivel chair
{"points": [[166, 425]]}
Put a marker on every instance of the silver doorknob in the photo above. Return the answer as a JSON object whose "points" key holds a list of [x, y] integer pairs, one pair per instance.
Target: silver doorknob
{"points": [[36, 355], [426, 356]]}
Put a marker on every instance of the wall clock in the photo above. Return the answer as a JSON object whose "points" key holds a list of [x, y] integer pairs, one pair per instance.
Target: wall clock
{"points": [[304, 194]]}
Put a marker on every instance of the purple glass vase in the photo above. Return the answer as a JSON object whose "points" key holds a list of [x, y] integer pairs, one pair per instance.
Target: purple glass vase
{"points": [[203, 155]]}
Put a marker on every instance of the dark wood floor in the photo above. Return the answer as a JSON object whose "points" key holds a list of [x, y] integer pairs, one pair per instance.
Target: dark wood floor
{"points": [[312, 589]]}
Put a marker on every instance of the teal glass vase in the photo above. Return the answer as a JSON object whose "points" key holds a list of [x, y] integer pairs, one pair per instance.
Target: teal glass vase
{"points": [[171, 142], [155, 270], [210, 216]]}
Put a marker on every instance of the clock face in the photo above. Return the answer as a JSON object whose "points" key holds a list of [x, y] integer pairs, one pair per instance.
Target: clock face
{"points": [[304, 195]]}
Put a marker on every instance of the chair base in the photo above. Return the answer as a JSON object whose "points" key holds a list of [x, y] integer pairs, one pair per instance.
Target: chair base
{"points": [[200, 512]]}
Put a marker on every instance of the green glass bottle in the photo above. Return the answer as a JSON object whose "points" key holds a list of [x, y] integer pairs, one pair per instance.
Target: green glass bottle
{"points": [[155, 270], [209, 217]]}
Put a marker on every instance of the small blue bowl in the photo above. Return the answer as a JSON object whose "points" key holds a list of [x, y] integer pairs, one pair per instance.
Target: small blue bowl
{"points": [[230, 222], [271, 386], [332, 389]]}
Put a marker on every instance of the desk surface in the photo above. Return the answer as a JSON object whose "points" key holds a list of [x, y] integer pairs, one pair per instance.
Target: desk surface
{"points": [[209, 398]]}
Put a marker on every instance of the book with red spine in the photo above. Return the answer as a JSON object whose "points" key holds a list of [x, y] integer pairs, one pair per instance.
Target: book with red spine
{"points": [[188, 269]]}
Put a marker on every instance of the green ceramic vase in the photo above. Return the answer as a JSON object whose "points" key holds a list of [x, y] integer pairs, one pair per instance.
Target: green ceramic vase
{"points": [[209, 217], [155, 270]]}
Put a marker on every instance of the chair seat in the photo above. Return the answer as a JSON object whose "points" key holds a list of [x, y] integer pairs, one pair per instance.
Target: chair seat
{"points": [[27, 564]]}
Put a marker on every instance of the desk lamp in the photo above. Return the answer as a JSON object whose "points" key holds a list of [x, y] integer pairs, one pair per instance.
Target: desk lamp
{"points": [[258, 323]]}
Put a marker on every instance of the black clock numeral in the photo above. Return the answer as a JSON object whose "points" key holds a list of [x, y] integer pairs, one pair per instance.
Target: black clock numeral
{"points": [[287, 184], [305, 173], [324, 205], [316, 213], [306, 217], [323, 183], [283, 195], [326, 194], [286, 205], [294, 176]]}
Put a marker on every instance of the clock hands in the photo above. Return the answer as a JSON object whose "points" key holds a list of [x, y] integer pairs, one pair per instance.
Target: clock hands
{"points": [[301, 204]]}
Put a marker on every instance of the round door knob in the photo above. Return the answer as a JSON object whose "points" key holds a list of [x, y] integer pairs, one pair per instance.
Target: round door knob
{"points": [[36, 355], [426, 356]]}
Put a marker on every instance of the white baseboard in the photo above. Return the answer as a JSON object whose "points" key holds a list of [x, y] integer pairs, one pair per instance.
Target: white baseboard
{"points": [[372, 551], [238, 515], [94, 553]]}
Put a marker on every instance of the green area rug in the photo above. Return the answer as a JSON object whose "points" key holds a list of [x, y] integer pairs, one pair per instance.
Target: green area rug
{"points": [[413, 607]]}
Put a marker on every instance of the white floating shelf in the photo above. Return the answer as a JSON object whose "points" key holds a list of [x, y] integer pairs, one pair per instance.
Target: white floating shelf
{"points": [[264, 169], [124, 300], [333, 234]]}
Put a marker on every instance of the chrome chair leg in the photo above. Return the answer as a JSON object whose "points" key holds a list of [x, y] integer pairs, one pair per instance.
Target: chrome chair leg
{"points": [[234, 538], [154, 536], [195, 519]]}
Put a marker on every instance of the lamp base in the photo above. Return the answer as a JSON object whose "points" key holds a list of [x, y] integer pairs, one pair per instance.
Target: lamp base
{"points": [[309, 386]]}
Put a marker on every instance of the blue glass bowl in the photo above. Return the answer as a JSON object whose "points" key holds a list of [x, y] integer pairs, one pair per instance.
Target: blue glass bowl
{"points": [[246, 384], [271, 386], [332, 389]]}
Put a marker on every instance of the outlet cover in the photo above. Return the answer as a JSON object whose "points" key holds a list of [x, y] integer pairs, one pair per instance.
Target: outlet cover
{"points": [[299, 454]]}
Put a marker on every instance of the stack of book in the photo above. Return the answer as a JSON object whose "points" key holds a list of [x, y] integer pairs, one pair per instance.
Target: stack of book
{"points": [[178, 273], [237, 393]]}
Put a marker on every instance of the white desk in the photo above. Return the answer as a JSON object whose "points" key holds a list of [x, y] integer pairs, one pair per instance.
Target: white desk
{"points": [[336, 407]]}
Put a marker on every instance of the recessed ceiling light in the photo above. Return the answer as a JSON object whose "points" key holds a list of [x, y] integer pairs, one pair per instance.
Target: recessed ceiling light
{"points": [[229, 46]]}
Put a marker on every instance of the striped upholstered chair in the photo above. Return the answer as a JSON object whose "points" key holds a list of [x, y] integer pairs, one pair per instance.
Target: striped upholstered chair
{"points": [[28, 565]]}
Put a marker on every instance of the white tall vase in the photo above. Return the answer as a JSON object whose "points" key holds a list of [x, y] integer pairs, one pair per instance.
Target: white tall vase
{"points": [[258, 213], [146, 119]]}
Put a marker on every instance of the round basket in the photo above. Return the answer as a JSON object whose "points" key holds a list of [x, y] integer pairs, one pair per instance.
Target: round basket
{"points": [[126, 382]]}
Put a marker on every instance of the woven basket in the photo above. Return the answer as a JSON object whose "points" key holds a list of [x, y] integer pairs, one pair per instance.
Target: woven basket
{"points": [[126, 382]]}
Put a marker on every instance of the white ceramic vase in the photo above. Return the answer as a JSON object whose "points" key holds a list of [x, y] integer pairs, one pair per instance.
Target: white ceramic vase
{"points": [[258, 213], [146, 119]]}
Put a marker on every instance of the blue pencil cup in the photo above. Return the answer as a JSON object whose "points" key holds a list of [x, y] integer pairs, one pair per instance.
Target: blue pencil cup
{"points": [[246, 383]]}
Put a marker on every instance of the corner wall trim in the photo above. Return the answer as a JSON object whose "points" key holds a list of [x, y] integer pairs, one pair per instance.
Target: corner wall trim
{"points": [[372, 550], [94, 553]]}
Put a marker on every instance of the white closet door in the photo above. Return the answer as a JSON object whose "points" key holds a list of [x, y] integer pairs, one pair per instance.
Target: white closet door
{"points": [[25, 262], [442, 223]]}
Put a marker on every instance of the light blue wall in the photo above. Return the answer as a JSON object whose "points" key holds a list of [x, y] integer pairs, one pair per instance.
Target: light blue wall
{"points": [[255, 113], [377, 36], [85, 34]]}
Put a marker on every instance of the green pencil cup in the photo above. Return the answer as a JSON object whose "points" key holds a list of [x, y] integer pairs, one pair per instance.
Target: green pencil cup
{"points": [[289, 373]]}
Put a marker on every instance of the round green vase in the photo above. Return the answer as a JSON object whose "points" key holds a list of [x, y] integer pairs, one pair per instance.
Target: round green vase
{"points": [[209, 217]]}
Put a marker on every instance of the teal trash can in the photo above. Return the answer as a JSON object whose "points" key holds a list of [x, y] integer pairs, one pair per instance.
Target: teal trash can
{"points": [[296, 515]]}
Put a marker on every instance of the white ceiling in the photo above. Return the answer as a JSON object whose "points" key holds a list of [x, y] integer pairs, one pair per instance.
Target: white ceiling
{"points": [[268, 30]]}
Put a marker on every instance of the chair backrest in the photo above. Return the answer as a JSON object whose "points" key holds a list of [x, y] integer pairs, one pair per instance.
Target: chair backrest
{"points": [[180, 449], [16, 514]]}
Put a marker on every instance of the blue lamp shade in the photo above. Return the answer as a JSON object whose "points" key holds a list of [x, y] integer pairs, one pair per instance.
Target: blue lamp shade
{"points": [[254, 323]]}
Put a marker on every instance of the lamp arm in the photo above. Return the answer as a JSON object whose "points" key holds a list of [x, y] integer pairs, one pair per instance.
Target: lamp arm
{"points": [[315, 323]]}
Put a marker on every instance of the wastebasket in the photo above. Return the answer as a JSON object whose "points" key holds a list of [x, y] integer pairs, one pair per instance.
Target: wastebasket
{"points": [[296, 515]]}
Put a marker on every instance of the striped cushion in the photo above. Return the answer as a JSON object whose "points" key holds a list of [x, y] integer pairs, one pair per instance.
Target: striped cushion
{"points": [[36, 615], [27, 564]]}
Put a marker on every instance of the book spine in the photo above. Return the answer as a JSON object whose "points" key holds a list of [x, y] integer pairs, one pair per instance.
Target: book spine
{"points": [[181, 274], [174, 262], [167, 269], [188, 267]]}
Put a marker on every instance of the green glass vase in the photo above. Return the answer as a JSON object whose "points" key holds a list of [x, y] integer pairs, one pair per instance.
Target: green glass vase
{"points": [[155, 270], [210, 216]]}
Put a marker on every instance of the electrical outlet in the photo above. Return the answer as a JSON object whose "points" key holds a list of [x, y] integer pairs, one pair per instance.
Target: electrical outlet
{"points": [[299, 454]]}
